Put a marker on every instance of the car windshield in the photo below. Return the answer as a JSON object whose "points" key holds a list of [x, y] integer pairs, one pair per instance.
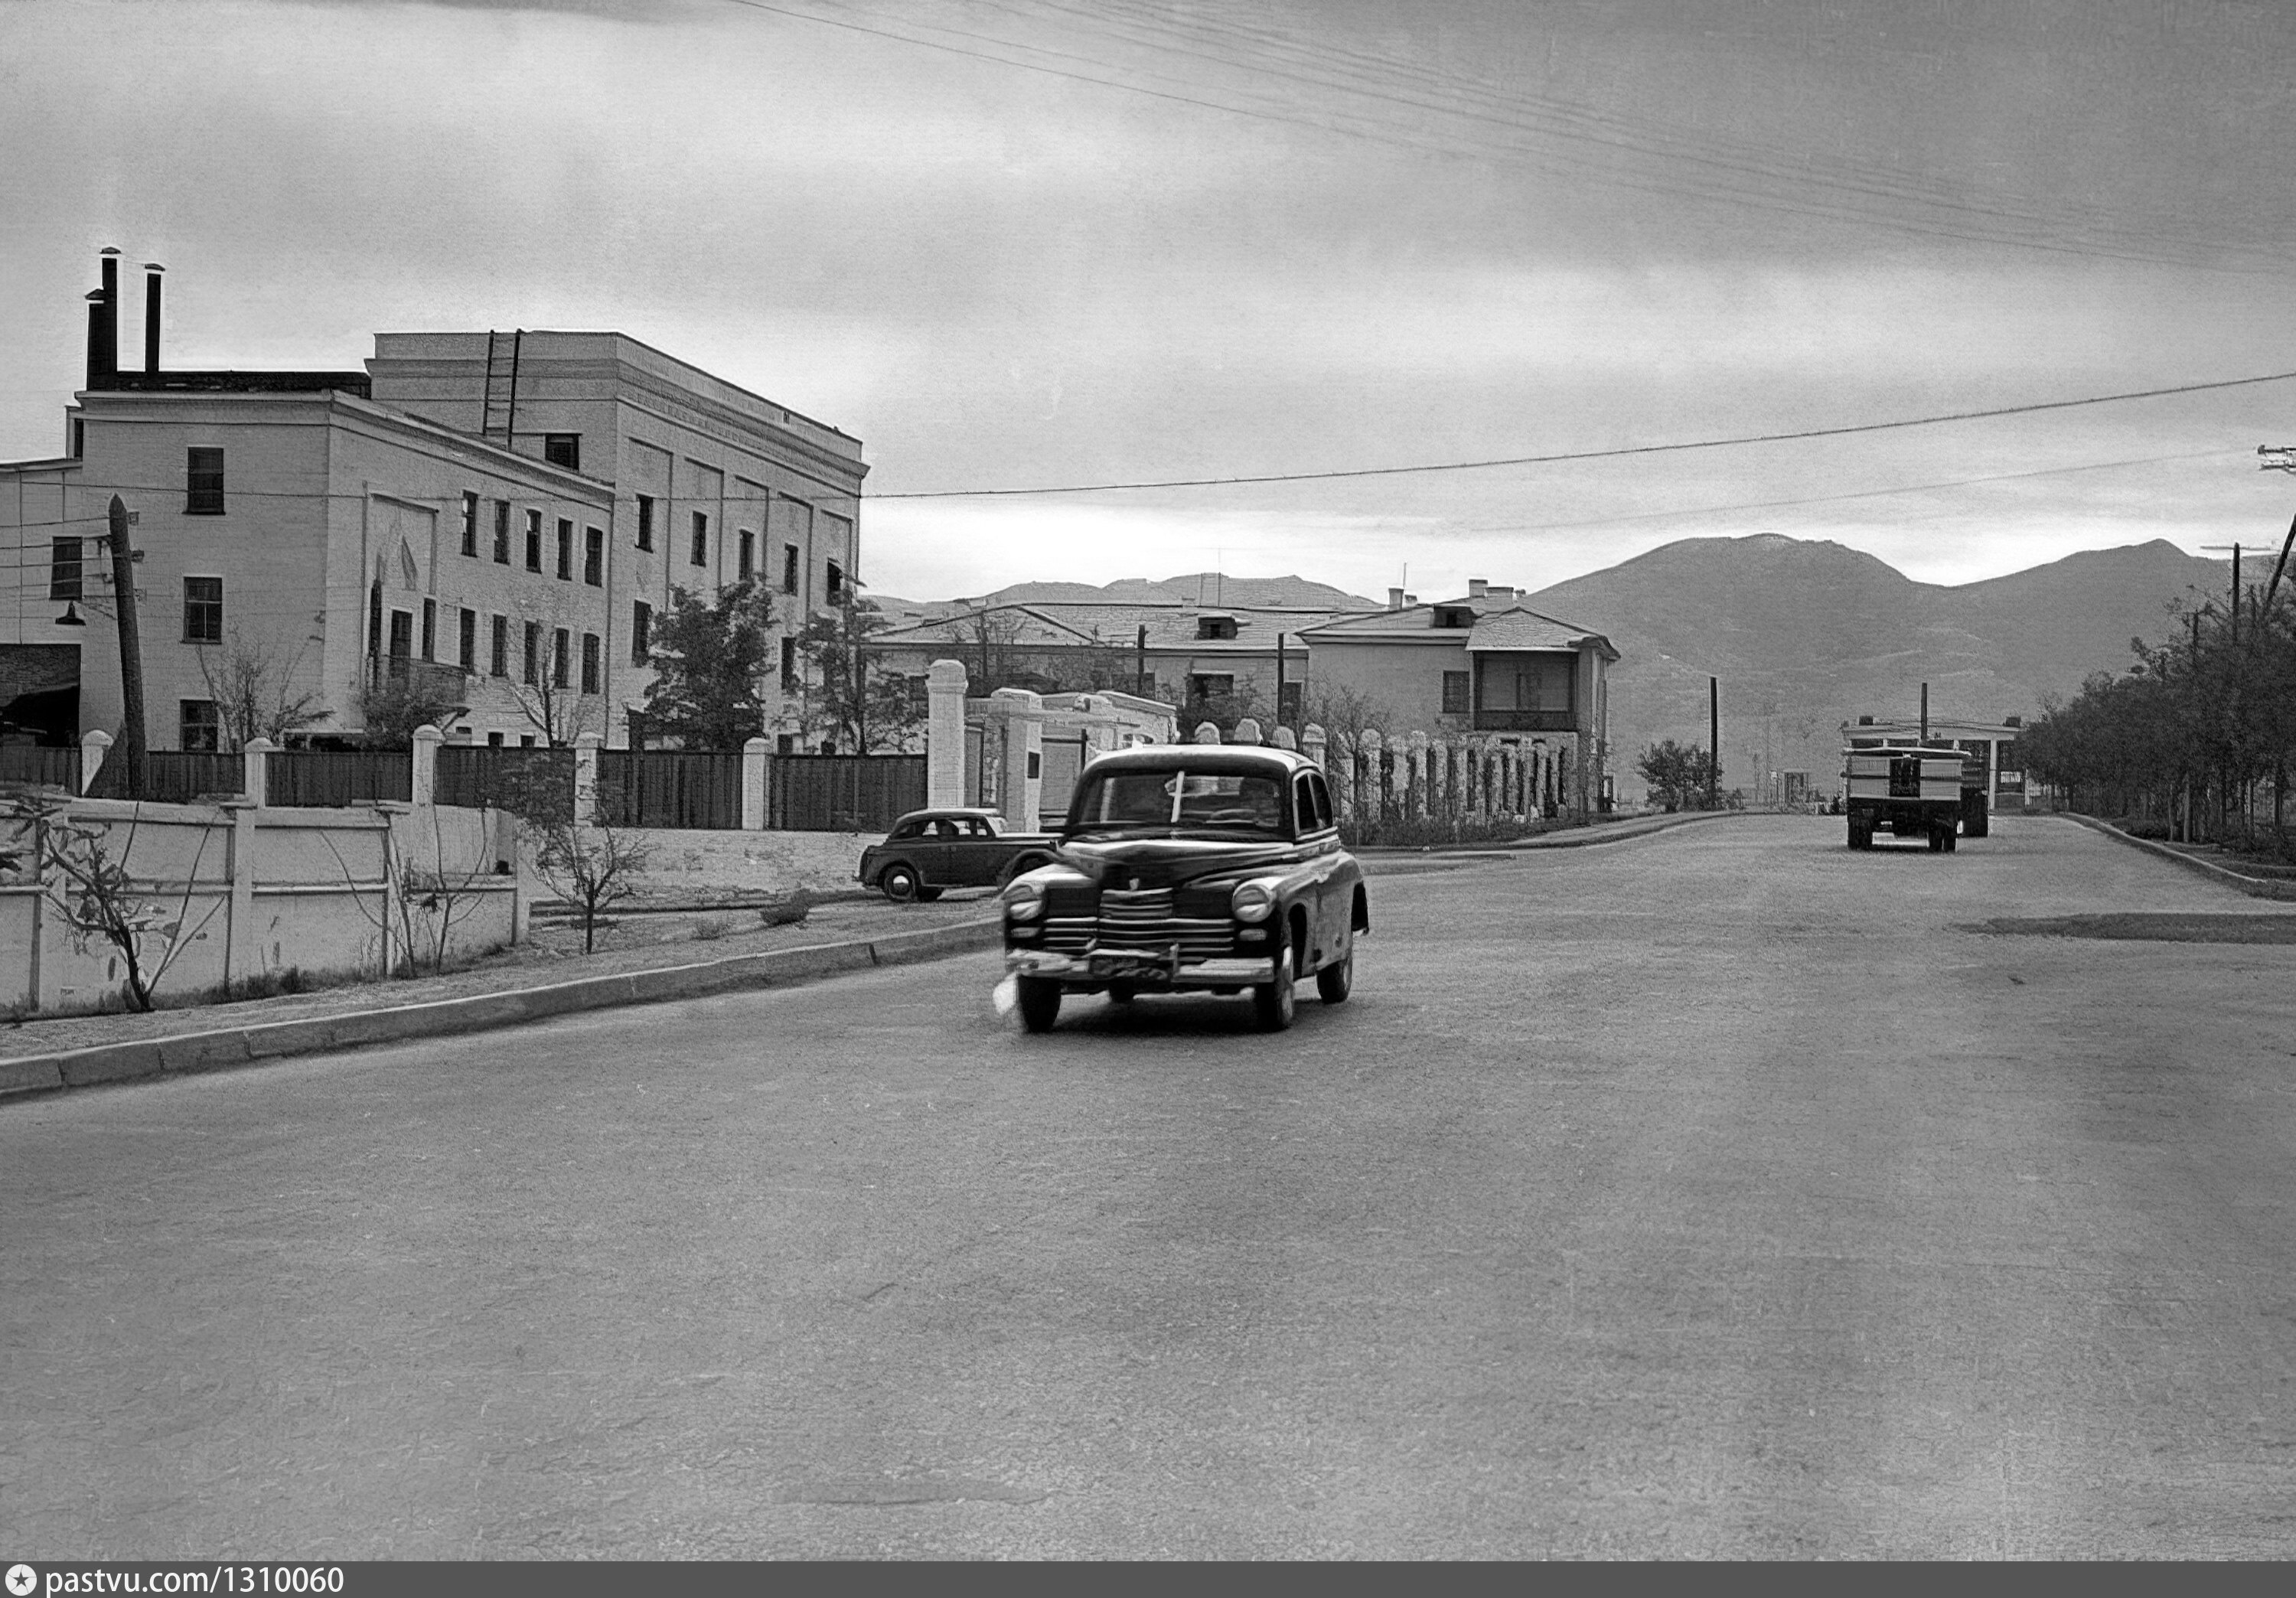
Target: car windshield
{"points": [[1225, 800]]}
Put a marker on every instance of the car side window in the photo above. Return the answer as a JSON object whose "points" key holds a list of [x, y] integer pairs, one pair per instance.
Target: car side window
{"points": [[1303, 804], [944, 829], [974, 827], [1324, 816], [907, 829]]}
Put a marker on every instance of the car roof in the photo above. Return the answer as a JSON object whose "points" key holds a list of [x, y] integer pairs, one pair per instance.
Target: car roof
{"points": [[944, 812], [1204, 757]]}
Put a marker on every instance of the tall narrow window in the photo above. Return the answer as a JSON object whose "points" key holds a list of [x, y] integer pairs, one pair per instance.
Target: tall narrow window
{"points": [[502, 532], [466, 641], [789, 666], [565, 550], [593, 556], [590, 662], [64, 567], [641, 633], [469, 524], [203, 482], [833, 588], [532, 674], [788, 568], [1455, 693], [499, 648], [645, 521], [402, 640], [534, 540], [204, 610], [748, 567], [560, 651], [430, 629], [702, 538], [199, 728]]}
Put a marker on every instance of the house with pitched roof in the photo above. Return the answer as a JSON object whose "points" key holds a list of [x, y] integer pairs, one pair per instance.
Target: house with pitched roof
{"points": [[1484, 666]]}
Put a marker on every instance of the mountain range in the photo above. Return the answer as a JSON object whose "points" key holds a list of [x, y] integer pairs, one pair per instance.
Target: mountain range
{"points": [[1803, 636]]}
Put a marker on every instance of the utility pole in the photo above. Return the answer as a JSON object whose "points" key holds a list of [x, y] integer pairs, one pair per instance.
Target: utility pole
{"points": [[1925, 712], [132, 745], [1713, 742], [2235, 585]]}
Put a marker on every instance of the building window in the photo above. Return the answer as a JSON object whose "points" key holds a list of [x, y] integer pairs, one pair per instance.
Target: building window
{"points": [[1455, 616], [532, 674], [1215, 626], [402, 638], [1211, 685], [560, 654], [747, 567], [494, 740], [79, 436], [789, 666], [833, 588], [562, 449], [499, 648], [375, 619], [64, 567], [641, 633], [788, 568], [204, 610], [430, 629], [466, 640], [590, 662], [469, 524], [198, 728], [502, 532], [645, 521], [1455, 693], [534, 541], [785, 743], [203, 482], [593, 556], [565, 550], [700, 538]]}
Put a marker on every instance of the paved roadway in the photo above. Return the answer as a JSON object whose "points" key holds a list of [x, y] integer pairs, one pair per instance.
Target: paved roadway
{"points": [[1704, 1194]]}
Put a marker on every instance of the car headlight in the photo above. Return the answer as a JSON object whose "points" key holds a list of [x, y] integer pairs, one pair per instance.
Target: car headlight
{"points": [[1024, 901], [1253, 901]]}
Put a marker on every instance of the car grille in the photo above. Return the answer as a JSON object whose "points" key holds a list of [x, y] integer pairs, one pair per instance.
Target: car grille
{"points": [[1140, 921]]}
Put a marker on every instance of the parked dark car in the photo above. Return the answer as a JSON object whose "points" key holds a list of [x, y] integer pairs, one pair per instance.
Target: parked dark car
{"points": [[929, 851], [1209, 867]]}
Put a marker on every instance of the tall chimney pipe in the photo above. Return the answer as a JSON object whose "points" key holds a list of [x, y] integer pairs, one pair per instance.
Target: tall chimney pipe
{"points": [[151, 270], [94, 338], [110, 260]]}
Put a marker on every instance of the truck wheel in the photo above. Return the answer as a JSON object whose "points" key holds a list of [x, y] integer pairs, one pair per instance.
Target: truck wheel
{"points": [[1937, 841], [1041, 1003], [1951, 843], [1861, 838], [1336, 980]]}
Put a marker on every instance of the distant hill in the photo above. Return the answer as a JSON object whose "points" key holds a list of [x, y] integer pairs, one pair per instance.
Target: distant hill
{"points": [[1203, 587], [1807, 635]]}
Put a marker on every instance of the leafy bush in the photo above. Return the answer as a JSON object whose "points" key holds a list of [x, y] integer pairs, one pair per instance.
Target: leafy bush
{"points": [[788, 912]]}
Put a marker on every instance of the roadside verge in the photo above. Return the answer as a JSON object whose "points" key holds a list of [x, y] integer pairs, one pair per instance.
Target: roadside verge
{"points": [[25, 1075], [2257, 887]]}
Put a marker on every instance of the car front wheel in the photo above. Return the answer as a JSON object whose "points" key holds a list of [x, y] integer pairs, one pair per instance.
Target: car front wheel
{"points": [[1272, 1002], [1336, 980], [1041, 1003], [899, 884]]}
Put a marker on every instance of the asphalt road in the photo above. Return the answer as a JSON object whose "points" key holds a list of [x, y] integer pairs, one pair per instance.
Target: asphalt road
{"points": [[1707, 1194]]}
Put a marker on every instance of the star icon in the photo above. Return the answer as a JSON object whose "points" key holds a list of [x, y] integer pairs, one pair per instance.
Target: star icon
{"points": [[21, 1580]]}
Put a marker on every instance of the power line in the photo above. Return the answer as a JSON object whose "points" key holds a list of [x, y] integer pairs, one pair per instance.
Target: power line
{"points": [[1622, 451]]}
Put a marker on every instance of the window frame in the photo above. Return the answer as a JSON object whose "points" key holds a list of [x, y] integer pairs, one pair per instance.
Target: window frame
{"points": [[593, 556], [562, 651], [498, 646], [470, 523], [562, 449], [645, 536], [466, 639], [502, 532], [699, 555], [531, 661], [1459, 687], [200, 607], [593, 662], [66, 568], [534, 541], [209, 728], [203, 480], [641, 633]]}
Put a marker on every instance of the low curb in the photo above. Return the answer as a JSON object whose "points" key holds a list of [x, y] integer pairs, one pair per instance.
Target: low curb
{"points": [[28, 1075], [2256, 888], [1572, 837]]}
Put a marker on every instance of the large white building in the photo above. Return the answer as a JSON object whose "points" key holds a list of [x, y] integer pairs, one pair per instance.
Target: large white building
{"points": [[504, 515]]}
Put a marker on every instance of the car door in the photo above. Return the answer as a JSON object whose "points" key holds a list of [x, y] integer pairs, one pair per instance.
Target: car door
{"points": [[977, 856], [1311, 828]]}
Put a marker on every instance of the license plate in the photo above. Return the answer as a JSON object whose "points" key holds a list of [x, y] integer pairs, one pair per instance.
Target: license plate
{"points": [[1132, 967]]}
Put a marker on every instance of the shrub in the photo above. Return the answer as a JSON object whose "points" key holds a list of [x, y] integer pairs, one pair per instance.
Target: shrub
{"points": [[788, 912]]}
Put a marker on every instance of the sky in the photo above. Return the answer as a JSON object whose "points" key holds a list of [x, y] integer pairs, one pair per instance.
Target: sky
{"points": [[1021, 244]]}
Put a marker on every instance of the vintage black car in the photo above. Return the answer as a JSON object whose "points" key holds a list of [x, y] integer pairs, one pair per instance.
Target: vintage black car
{"points": [[1190, 867], [929, 851]]}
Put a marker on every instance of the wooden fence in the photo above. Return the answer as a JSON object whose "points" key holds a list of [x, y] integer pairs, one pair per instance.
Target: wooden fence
{"points": [[172, 777], [532, 782], [334, 776], [35, 764], [670, 788], [842, 793]]}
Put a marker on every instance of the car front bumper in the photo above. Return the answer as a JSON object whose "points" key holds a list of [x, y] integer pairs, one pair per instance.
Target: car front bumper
{"points": [[1099, 969]]}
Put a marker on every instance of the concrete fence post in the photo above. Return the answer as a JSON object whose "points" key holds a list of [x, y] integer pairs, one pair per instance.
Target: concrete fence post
{"points": [[256, 782], [1419, 806], [587, 746], [1024, 758], [94, 745], [423, 788], [1205, 732], [239, 948], [753, 784], [1314, 742], [945, 684], [1285, 738], [1371, 804], [1247, 731]]}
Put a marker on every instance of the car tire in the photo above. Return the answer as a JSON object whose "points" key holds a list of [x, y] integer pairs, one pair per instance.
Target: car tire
{"points": [[926, 896], [1336, 980], [1041, 1003], [900, 883], [1861, 838], [1021, 867], [1273, 1004], [1122, 993]]}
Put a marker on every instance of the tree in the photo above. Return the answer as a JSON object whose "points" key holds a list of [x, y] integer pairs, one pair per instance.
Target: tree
{"points": [[589, 867], [252, 685], [881, 713], [392, 705], [554, 707], [988, 641], [713, 663], [1680, 775]]}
